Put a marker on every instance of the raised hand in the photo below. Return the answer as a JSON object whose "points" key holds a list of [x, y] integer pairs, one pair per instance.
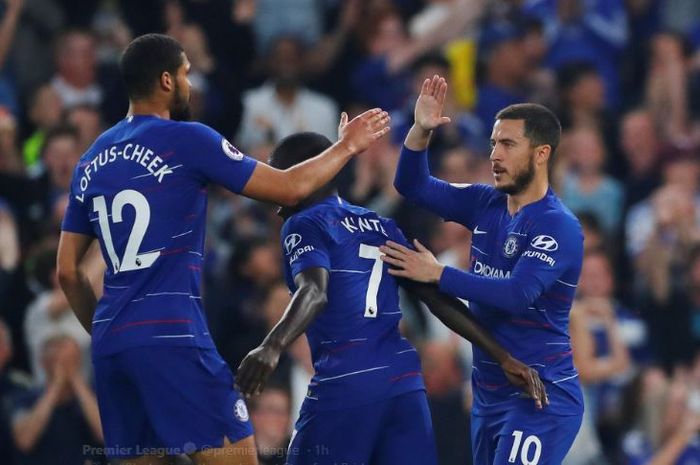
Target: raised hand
{"points": [[255, 368], [430, 103], [523, 376], [362, 130]]}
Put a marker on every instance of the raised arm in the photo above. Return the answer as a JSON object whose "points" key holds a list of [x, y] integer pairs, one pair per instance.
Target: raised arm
{"points": [[413, 179], [72, 247], [288, 187], [456, 316], [308, 301]]}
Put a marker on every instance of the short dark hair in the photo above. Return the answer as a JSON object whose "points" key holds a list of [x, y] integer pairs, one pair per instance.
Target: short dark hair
{"points": [[145, 59], [59, 132], [542, 126], [570, 74], [298, 148], [435, 59]]}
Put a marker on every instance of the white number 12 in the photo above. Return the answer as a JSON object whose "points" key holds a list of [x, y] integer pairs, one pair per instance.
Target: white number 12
{"points": [[132, 259], [375, 278]]}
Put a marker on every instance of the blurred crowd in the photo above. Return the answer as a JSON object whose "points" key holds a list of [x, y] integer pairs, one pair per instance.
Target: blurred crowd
{"points": [[623, 75]]}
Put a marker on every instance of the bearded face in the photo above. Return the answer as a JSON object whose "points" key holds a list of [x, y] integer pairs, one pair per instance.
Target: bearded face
{"points": [[180, 104]]}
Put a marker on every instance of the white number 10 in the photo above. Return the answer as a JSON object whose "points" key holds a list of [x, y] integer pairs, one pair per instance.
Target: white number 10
{"points": [[375, 277], [525, 451], [132, 259]]}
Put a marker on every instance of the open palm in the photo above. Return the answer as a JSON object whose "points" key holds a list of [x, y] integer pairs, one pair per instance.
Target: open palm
{"points": [[428, 114]]}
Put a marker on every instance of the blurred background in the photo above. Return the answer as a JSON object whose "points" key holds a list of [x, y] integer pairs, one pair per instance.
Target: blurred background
{"points": [[623, 76]]}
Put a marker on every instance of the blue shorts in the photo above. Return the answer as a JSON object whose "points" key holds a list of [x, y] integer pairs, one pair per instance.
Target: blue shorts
{"points": [[393, 431], [523, 438], [167, 400]]}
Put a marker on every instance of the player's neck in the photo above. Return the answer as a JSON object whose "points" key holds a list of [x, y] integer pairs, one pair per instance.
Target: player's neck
{"points": [[286, 212], [533, 193], [147, 107]]}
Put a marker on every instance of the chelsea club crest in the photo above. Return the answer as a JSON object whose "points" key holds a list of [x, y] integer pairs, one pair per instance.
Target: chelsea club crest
{"points": [[510, 248]]}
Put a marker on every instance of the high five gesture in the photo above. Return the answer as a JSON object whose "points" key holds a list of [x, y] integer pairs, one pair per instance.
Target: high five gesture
{"points": [[428, 113]]}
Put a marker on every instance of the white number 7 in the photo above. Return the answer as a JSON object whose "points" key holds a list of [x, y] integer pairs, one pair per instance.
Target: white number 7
{"points": [[375, 278], [132, 259]]}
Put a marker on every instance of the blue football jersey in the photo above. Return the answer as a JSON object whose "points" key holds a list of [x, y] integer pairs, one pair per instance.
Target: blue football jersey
{"points": [[358, 354], [141, 191], [523, 276]]}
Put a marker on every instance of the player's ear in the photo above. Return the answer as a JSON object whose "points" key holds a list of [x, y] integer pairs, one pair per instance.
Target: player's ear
{"points": [[167, 81], [542, 154]]}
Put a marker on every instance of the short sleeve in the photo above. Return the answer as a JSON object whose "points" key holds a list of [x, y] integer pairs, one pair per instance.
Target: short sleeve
{"points": [[305, 245], [216, 160], [77, 216]]}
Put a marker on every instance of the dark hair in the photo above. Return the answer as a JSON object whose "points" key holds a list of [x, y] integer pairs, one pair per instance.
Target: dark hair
{"points": [[571, 74], [298, 148], [145, 59], [58, 132], [588, 219], [431, 59], [542, 126], [242, 252]]}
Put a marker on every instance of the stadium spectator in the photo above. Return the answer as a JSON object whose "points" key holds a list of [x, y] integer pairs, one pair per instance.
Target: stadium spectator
{"points": [[45, 111], [50, 314], [681, 171], [443, 382], [9, 248], [11, 382], [57, 421], [270, 414], [602, 334], [10, 160], [87, 120], [75, 80], [8, 25], [667, 89], [505, 69], [587, 187], [640, 145], [593, 31], [582, 95], [233, 304], [34, 198], [664, 420], [283, 105], [694, 296], [667, 252], [383, 77]]}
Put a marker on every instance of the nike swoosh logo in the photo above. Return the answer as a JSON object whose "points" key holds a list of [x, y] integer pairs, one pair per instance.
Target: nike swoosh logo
{"points": [[476, 231]]}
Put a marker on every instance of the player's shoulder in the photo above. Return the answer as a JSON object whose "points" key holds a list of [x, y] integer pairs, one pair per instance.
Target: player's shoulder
{"points": [[553, 214], [193, 129], [309, 218], [485, 194]]}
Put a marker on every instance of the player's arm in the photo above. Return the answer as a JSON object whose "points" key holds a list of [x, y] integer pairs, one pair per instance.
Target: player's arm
{"points": [[413, 179], [534, 273], [456, 316], [307, 302], [288, 187], [72, 247]]}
